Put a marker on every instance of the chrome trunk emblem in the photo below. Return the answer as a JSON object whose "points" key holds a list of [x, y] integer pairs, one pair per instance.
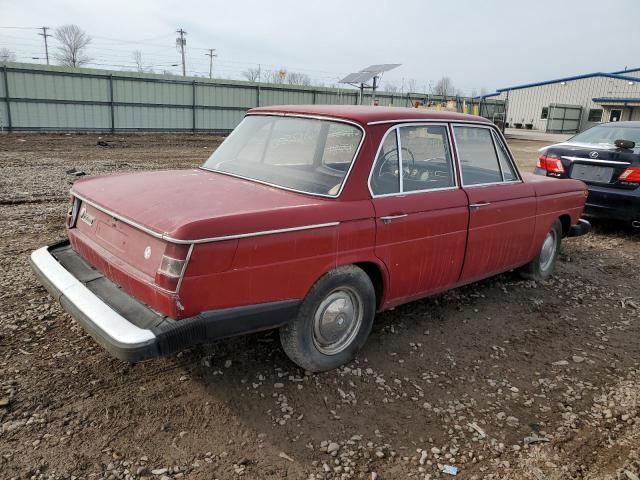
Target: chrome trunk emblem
{"points": [[594, 154], [147, 253], [86, 217]]}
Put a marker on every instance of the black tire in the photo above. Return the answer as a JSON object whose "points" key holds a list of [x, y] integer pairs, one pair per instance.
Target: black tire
{"points": [[302, 339], [543, 265]]}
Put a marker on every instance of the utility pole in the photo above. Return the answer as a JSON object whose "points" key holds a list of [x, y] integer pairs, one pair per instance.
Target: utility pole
{"points": [[181, 42], [44, 34], [211, 55]]}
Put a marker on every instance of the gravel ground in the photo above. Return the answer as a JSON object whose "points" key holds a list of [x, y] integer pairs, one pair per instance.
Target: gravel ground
{"points": [[501, 379]]}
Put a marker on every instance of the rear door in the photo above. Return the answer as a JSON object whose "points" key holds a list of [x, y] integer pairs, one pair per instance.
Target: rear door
{"points": [[502, 209], [421, 212]]}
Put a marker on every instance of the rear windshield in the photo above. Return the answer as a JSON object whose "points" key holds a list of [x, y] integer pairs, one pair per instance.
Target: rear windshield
{"points": [[609, 134], [302, 154]]}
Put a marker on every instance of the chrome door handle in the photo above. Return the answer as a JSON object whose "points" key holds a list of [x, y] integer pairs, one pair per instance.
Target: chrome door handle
{"points": [[390, 218], [478, 205]]}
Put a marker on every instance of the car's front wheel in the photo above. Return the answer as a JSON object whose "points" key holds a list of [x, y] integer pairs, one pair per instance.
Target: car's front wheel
{"points": [[542, 266], [334, 320]]}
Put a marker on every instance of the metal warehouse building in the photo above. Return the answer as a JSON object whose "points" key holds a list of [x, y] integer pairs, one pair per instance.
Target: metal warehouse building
{"points": [[573, 104]]}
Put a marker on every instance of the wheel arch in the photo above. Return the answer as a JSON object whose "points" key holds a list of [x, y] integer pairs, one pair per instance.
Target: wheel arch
{"points": [[378, 276], [565, 220]]}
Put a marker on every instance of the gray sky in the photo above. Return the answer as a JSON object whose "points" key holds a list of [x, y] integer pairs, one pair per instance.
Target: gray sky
{"points": [[488, 44]]}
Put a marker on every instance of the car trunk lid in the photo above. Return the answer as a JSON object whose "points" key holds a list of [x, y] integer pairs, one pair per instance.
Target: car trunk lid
{"points": [[191, 205], [598, 164]]}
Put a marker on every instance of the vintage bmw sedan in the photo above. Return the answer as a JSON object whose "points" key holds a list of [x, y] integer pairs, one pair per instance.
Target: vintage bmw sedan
{"points": [[309, 219]]}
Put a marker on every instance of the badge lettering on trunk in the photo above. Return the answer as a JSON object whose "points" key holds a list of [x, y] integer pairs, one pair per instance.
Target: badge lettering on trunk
{"points": [[86, 217]]}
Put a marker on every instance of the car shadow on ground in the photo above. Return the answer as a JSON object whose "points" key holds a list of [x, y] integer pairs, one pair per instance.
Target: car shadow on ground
{"points": [[412, 344], [614, 228], [453, 349]]}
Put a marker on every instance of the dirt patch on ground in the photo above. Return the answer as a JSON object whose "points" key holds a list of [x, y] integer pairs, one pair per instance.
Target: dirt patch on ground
{"points": [[461, 379]]}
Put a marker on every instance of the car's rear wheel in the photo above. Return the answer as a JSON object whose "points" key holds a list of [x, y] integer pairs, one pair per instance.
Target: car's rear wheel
{"points": [[542, 266], [334, 320]]}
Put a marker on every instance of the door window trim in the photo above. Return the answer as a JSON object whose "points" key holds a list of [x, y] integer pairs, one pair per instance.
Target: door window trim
{"points": [[493, 131], [452, 160]]}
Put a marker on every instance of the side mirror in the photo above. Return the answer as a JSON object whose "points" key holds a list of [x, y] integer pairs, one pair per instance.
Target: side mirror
{"points": [[626, 144]]}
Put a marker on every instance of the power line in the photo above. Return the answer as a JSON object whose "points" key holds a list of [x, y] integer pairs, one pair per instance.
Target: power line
{"points": [[109, 51]]}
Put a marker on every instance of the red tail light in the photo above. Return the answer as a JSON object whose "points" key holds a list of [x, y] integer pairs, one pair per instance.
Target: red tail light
{"points": [[72, 214], [630, 175], [551, 165], [172, 265]]}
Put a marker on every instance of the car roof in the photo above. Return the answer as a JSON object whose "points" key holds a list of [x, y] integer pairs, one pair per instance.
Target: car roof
{"points": [[626, 123], [367, 114]]}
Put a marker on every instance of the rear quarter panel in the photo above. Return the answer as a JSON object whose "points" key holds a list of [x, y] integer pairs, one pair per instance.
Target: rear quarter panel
{"points": [[555, 198], [269, 268]]}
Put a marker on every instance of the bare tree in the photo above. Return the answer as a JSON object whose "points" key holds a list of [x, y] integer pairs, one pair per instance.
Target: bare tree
{"points": [[73, 44], [411, 86], [295, 78], [7, 55], [390, 87], [483, 91], [474, 93], [444, 87], [277, 76], [252, 74]]}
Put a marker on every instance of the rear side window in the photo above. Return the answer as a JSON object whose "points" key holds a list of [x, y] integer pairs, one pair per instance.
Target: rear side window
{"points": [[385, 176], [478, 159], [508, 172]]}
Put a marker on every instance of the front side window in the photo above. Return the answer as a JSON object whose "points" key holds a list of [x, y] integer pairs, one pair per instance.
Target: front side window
{"points": [[422, 163], [478, 160], [303, 154]]}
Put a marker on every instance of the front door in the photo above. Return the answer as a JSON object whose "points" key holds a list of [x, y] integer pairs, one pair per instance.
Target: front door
{"points": [[502, 209], [421, 213]]}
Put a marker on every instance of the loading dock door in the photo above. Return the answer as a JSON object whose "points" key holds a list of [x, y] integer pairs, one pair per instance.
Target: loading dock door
{"points": [[564, 118]]}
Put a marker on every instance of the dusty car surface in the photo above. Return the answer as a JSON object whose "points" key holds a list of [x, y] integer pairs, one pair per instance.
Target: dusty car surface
{"points": [[306, 218]]}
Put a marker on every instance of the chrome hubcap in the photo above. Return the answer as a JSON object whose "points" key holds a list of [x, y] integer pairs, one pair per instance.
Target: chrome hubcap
{"points": [[337, 321], [548, 250]]}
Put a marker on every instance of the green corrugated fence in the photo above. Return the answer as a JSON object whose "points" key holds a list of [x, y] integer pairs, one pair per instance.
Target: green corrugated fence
{"points": [[50, 98]]}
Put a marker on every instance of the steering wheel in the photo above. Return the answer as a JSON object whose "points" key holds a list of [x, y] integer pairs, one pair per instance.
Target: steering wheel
{"points": [[388, 167], [389, 164]]}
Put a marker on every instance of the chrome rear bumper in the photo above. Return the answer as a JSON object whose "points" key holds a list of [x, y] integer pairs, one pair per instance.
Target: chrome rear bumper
{"points": [[127, 328], [110, 329]]}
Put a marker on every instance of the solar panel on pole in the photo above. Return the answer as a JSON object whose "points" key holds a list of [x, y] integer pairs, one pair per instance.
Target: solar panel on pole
{"points": [[358, 77], [381, 68], [372, 72]]}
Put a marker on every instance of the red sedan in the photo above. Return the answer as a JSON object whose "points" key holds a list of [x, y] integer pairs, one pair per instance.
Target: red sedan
{"points": [[306, 218]]}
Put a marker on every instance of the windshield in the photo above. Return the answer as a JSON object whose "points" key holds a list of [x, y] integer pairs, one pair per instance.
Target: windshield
{"points": [[609, 134], [302, 154]]}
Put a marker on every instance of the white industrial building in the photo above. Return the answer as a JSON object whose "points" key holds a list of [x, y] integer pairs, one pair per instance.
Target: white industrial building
{"points": [[573, 104]]}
